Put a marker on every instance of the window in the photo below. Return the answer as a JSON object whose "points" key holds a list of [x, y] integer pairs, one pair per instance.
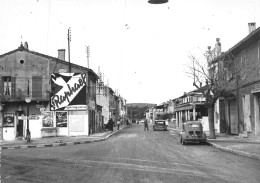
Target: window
{"points": [[228, 74], [243, 68], [7, 86], [37, 87]]}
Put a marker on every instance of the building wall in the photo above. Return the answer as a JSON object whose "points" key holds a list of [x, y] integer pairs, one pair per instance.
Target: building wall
{"points": [[103, 100], [245, 80]]}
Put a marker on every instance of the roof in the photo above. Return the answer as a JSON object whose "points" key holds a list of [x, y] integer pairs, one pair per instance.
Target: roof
{"points": [[22, 48], [253, 36]]}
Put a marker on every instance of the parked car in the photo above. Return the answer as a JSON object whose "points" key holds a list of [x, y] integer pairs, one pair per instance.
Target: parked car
{"points": [[159, 125], [192, 132], [142, 121]]}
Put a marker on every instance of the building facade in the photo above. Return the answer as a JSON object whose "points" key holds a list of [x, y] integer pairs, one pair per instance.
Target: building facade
{"points": [[240, 66], [39, 95]]}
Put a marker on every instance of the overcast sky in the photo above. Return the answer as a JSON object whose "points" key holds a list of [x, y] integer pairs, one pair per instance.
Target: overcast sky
{"points": [[141, 48]]}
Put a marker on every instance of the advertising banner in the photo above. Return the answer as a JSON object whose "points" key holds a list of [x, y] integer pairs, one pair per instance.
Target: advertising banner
{"points": [[68, 91], [47, 119], [61, 119], [8, 120]]}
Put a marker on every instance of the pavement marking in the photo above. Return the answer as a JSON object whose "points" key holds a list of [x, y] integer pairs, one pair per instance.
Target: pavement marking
{"points": [[194, 172], [128, 135], [196, 164]]}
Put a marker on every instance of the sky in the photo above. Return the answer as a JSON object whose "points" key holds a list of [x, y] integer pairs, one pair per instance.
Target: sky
{"points": [[142, 49]]}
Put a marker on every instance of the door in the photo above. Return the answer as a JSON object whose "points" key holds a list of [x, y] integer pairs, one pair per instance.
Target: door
{"points": [[233, 120], [19, 128], [222, 120], [246, 113]]}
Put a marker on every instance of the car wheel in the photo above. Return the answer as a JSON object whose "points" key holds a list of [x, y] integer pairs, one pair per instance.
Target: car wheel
{"points": [[203, 142], [183, 142]]}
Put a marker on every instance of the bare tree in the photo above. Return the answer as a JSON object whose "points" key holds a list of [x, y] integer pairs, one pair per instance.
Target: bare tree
{"points": [[210, 77]]}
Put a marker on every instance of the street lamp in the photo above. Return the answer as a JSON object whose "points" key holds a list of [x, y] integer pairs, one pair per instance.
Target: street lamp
{"points": [[157, 1], [28, 100]]}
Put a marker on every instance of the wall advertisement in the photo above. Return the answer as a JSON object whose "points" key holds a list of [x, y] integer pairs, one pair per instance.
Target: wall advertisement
{"points": [[68, 91]]}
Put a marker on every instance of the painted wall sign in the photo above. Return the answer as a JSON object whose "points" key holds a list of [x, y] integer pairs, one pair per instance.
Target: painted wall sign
{"points": [[68, 89]]}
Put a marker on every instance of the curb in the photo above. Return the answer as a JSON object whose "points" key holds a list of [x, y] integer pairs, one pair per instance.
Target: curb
{"points": [[57, 144], [241, 153], [48, 144]]}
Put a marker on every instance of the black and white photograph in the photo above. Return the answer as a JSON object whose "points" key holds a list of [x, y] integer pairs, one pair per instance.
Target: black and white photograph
{"points": [[130, 91]]}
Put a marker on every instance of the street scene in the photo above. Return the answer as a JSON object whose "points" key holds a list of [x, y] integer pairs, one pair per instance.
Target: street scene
{"points": [[129, 155], [130, 91]]}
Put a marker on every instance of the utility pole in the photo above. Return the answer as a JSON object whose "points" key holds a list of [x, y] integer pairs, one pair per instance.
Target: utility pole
{"points": [[28, 100], [88, 54], [69, 40], [90, 118]]}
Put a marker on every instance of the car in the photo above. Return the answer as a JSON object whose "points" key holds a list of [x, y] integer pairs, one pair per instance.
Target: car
{"points": [[192, 132], [142, 121], [159, 125]]}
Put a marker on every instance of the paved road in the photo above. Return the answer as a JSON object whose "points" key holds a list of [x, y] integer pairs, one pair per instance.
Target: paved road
{"points": [[132, 156]]}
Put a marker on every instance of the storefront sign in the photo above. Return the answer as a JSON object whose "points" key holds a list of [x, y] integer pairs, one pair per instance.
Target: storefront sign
{"points": [[22, 117], [68, 89], [39, 106], [33, 117], [76, 107], [183, 108]]}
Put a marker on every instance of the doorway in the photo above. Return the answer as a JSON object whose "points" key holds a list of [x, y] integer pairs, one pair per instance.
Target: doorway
{"points": [[19, 128], [19, 125]]}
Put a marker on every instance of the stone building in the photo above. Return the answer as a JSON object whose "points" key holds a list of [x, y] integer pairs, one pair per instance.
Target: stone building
{"points": [[39, 95]]}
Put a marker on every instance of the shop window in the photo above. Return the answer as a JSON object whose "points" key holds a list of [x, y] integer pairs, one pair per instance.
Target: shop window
{"points": [[8, 120]]}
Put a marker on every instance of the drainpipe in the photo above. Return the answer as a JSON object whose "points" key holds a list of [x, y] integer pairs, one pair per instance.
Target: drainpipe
{"points": [[237, 104], [1, 121]]}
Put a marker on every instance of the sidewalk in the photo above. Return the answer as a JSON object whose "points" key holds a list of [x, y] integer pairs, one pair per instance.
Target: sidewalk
{"points": [[58, 141], [234, 144]]}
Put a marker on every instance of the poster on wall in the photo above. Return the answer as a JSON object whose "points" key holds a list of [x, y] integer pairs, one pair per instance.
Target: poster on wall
{"points": [[61, 119], [68, 91], [8, 120], [47, 119]]}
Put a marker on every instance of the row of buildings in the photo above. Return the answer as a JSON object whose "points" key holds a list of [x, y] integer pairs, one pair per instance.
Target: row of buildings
{"points": [[44, 96], [237, 111]]}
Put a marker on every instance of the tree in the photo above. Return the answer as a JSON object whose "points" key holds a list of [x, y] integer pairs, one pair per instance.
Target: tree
{"points": [[210, 77]]}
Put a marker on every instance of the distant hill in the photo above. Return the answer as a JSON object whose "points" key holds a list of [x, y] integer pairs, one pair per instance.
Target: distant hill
{"points": [[137, 110], [141, 105]]}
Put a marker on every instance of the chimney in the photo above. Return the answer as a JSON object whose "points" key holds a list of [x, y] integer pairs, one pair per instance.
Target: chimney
{"points": [[251, 27], [218, 47], [61, 54], [26, 45]]}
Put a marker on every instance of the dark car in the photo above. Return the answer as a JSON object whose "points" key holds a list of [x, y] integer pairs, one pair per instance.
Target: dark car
{"points": [[192, 132], [159, 125]]}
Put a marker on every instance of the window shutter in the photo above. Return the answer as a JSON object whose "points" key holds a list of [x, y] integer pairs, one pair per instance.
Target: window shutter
{"points": [[13, 79], [1, 87], [37, 87]]}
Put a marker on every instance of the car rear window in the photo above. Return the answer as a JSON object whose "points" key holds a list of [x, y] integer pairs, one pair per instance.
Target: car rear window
{"points": [[160, 122], [193, 125]]}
